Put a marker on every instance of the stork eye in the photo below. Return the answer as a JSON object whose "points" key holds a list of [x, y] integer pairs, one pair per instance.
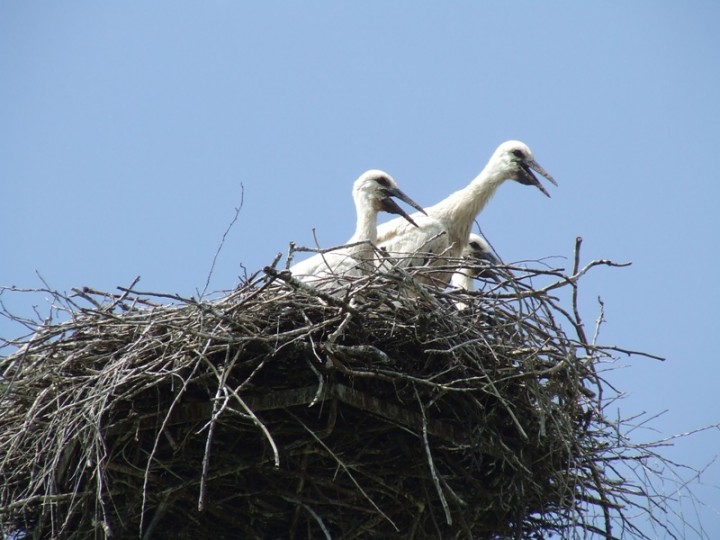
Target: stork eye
{"points": [[383, 181], [475, 245], [518, 153]]}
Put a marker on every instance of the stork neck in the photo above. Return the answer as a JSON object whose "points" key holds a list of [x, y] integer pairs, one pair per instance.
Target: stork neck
{"points": [[365, 231], [365, 226], [461, 207], [462, 280]]}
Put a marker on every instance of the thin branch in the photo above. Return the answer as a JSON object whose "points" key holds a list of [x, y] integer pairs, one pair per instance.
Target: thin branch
{"points": [[222, 241]]}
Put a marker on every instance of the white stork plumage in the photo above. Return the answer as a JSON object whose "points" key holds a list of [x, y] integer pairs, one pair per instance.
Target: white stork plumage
{"points": [[372, 193], [445, 229], [478, 253]]}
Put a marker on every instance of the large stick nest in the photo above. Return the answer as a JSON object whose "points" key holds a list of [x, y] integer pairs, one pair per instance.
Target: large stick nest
{"points": [[281, 411]]}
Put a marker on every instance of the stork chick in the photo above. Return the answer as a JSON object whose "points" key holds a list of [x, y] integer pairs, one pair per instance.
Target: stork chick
{"points": [[445, 229], [372, 193]]}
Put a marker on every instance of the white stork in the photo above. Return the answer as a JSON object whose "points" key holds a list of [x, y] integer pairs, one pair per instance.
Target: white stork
{"points": [[372, 193], [445, 229], [478, 253]]}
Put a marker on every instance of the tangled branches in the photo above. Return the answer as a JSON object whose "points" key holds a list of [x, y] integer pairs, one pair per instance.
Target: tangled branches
{"points": [[376, 410]]}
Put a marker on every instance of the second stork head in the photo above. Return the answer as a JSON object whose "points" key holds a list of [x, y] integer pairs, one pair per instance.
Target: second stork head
{"points": [[517, 161], [478, 248], [375, 189]]}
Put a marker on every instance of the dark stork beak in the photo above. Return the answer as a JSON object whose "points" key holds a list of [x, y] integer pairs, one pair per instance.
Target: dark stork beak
{"points": [[487, 257], [526, 176], [489, 273], [390, 206]]}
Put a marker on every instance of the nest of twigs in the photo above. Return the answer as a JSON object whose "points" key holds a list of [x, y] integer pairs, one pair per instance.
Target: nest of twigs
{"points": [[284, 411]]}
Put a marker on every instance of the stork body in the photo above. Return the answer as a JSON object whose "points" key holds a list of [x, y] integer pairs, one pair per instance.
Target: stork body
{"points": [[445, 229], [372, 193]]}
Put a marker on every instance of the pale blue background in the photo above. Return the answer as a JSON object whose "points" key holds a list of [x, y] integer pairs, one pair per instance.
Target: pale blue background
{"points": [[127, 129]]}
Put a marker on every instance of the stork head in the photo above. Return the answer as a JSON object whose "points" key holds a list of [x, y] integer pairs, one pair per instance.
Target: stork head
{"points": [[517, 163], [376, 190], [480, 253], [478, 248]]}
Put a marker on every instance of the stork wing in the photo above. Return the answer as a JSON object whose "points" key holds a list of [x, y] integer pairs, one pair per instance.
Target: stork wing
{"points": [[398, 227], [413, 246], [339, 262], [308, 267]]}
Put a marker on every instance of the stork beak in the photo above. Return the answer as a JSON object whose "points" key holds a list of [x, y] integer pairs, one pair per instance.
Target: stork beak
{"points": [[489, 273], [479, 268], [491, 260], [392, 207], [527, 177], [489, 257], [483, 256], [395, 192]]}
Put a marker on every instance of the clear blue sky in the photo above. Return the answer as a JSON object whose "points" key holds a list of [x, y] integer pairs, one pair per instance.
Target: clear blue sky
{"points": [[127, 130]]}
